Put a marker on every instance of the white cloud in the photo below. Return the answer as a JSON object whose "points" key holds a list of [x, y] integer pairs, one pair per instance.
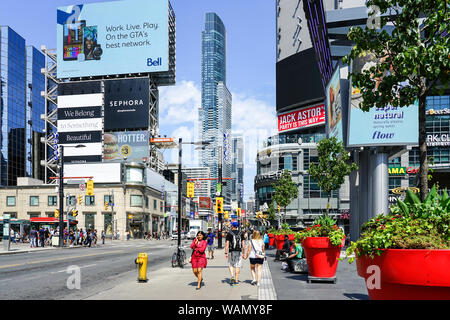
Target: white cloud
{"points": [[179, 104]]}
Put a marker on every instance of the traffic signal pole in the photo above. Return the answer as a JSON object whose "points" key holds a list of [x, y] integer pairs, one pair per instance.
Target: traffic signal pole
{"points": [[220, 215]]}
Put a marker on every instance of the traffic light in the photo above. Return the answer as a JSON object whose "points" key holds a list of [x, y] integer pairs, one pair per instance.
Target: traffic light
{"points": [[80, 199], [90, 188], [106, 205], [238, 212], [190, 189], [74, 213], [219, 205], [56, 213], [226, 215], [279, 208]]}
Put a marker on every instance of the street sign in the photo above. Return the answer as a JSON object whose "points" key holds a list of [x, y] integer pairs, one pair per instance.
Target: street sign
{"points": [[82, 187], [198, 185]]}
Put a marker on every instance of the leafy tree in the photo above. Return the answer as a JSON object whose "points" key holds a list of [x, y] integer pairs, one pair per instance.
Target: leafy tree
{"points": [[332, 167], [285, 191], [271, 211], [412, 62]]}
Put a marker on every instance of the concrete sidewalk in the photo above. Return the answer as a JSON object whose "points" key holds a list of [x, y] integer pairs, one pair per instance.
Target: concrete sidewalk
{"points": [[180, 284], [16, 248]]}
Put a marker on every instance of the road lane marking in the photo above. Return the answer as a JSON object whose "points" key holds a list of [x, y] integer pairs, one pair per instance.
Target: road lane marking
{"points": [[59, 259], [65, 270]]}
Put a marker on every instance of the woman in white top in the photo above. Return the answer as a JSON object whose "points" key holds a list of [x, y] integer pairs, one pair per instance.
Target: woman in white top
{"points": [[256, 254]]}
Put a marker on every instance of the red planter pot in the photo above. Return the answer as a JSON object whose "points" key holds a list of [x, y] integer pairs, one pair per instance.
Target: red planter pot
{"points": [[321, 256], [407, 274], [279, 241], [291, 237], [271, 239]]}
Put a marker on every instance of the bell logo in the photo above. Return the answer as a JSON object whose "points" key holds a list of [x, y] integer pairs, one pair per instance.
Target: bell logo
{"points": [[154, 63]]}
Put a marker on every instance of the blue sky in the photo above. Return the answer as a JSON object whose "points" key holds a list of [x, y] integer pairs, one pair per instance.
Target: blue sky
{"points": [[250, 26]]}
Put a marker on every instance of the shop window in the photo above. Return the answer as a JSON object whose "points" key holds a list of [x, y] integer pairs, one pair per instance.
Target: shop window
{"points": [[89, 221]]}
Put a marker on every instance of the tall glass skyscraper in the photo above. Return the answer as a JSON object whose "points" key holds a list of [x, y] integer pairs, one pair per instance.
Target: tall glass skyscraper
{"points": [[215, 112], [20, 106]]}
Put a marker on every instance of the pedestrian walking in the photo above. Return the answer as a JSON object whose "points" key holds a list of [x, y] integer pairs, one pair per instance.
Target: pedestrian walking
{"points": [[47, 236], [12, 235], [256, 254], [234, 252], [33, 238], [103, 236], [266, 240], [42, 236], [210, 241], [94, 237], [198, 259]]}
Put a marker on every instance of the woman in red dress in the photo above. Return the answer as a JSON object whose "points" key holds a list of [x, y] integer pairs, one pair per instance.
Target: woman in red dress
{"points": [[198, 260]]}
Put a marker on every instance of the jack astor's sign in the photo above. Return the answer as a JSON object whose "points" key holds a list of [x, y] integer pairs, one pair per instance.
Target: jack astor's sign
{"points": [[302, 118]]}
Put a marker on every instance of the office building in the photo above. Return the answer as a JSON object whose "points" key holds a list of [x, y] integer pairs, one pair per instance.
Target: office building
{"points": [[21, 105], [215, 112]]}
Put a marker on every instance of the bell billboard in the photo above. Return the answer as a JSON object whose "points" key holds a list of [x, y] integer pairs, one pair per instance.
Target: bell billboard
{"points": [[111, 38]]}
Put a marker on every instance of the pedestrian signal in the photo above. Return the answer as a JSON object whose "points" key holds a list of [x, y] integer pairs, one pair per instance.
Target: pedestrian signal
{"points": [[74, 213], [219, 205], [238, 212], [90, 188], [106, 205]]}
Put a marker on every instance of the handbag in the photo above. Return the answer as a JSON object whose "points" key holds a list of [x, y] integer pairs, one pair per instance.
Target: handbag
{"points": [[259, 254]]}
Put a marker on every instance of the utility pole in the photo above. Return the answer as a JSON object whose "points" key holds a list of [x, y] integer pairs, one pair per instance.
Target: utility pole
{"points": [[61, 196], [180, 206], [219, 236]]}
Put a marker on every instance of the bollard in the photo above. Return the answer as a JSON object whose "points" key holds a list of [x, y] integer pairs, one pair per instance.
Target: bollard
{"points": [[141, 261]]}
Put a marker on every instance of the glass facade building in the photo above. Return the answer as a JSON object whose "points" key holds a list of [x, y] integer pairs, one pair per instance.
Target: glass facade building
{"points": [[215, 111], [21, 106]]}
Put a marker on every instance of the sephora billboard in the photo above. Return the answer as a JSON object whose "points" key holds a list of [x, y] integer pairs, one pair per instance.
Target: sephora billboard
{"points": [[127, 104]]}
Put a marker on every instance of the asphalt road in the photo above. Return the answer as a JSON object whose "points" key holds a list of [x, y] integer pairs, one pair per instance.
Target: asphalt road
{"points": [[44, 275]]}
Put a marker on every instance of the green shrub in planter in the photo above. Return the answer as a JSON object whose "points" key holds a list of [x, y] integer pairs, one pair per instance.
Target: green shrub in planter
{"points": [[323, 227], [412, 224]]}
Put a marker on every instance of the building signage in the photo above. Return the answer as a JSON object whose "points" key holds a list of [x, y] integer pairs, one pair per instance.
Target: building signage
{"points": [[133, 145], [334, 106], [433, 112], [204, 202], [110, 38], [379, 126], [401, 171], [302, 118], [434, 140], [127, 104]]}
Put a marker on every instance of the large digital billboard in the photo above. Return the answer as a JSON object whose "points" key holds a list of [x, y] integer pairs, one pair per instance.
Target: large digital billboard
{"points": [[127, 104], [80, 121], [388, 126], [302, 118], [109, 38], [334, 106], [132, 146]]}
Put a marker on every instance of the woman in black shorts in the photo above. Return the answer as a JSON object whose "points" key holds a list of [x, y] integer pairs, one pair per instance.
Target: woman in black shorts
{"points": [[256, 254]]}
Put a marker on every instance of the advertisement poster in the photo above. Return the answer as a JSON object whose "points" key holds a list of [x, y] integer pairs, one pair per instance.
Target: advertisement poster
{"points": [[204, 203], [302, 118], [379, 126], [127, 104], [334, 106], [133, 145], [131, 38]]}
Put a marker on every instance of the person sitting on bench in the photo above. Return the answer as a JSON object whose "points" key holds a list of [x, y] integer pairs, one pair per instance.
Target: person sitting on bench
{"points": [[294, 256]]}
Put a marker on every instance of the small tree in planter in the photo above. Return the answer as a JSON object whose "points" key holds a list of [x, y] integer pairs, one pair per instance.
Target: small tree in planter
{"points": [[285, 191], [323, 241], [332, 168], [409, 249]]}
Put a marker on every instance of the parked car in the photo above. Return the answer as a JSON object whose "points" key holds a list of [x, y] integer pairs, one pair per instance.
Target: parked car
{"points": [[175, 235]]}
